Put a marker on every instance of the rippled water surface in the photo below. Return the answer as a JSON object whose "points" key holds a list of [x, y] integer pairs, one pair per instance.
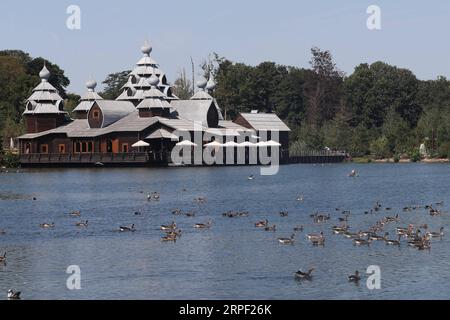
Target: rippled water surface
{"points": [[233, 259]]}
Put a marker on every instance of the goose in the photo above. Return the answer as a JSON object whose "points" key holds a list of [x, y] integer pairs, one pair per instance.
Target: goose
{"points": [[3, 258], [375, 237], [251, 177], [203, 225], [313, 236], [127, 228], [283, 213], [169, 238], [298, 228], [262, 223], [272, 228], [361, 242], [436, 234], [174, 233], [393, 242], [350, 235], [434, 212], [200, 200], [243, 214], [287, 240], [171, 226], [13, 295], [391, 219], [339, 229], [318, 241], [300, 198], [137, 213], [441, 203], [149, 197], [83, 224], [304, 275], [177, 211], [354, 277], [47, 225], [405, 231], [75, 213], [156, 196], [190, 214]]}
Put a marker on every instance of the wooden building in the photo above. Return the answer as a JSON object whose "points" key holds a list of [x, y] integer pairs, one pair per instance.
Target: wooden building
{"points": [[142, 126]]}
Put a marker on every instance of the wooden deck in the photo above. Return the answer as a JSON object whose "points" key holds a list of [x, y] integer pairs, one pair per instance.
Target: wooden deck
{"points": [[312, 156], [89, 159]]}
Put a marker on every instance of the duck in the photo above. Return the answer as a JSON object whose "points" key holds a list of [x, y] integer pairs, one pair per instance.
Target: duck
{"points": [[190, 214], [83, 224], [300, 198], [138, 213], [393, 242], [440, 203], [354, 277], [3, 258], [251, 177], [75, 213], [304, 275], [13, 295], [171, 226], [47, 225], [127, 228], [2, 232], [262, 223], [200, 200], [436, 234], [287, 240], [298, 228], [156, 196], [339, 229], [271, 228], [203, 225]]}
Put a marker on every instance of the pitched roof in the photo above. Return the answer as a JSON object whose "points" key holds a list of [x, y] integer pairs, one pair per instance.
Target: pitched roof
{"points": [[162, 134], [265, 121]]}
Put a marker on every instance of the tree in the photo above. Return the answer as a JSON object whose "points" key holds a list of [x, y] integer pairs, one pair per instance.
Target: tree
{"points": [[183, 86], [113, 84], [323, 88]]}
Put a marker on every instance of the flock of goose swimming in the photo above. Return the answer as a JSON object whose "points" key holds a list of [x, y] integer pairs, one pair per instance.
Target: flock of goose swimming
{"points": [[414, 235]]}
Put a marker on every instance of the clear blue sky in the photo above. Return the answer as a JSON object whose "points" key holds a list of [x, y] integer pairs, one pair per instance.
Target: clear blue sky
{"points": [[414, 33]]}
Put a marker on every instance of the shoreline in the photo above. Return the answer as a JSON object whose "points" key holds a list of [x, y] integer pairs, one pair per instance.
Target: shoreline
{"points": [[391, 160]]}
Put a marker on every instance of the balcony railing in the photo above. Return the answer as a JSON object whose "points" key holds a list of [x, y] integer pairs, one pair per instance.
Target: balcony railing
{"points": [[92, 158]]}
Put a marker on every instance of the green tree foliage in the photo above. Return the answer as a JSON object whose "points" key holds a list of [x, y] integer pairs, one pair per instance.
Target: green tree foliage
{"points": [[19, 74], [113, 84]]}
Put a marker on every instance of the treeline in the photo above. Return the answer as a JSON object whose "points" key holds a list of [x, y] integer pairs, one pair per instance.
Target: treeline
{"points": [[379, 110]]}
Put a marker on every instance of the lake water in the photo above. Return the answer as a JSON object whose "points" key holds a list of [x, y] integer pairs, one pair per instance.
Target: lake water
{"points": [[232, 259]]}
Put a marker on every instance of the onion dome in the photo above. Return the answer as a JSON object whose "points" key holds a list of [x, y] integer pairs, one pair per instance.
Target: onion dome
{"points": [[44, 74], [146, 48], [201, 84], [211, 84], [154, 80]]}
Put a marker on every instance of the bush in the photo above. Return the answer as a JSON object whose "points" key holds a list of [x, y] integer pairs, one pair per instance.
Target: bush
{"points": [[9, 160], [415, 155], [396, 158]]}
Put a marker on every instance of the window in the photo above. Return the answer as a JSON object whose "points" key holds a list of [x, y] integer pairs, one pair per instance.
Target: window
{"points": [[96, 115], [84, 147], [77, 147], [62, 148], [125, 147], [90, 146], [44, 148]]}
